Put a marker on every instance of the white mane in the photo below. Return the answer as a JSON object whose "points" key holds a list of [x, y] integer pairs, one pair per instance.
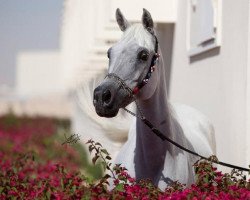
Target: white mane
{"points": [[140, 34]]}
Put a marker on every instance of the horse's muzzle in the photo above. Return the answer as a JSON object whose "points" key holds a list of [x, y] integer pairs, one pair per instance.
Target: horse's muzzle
{"points": [[104, 100], [109, 97]]}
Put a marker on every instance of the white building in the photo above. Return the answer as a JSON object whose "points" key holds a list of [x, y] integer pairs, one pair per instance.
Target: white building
{"points": [[205, 47], [217, 82], [39, 73], [40, 88], [89, 29]]}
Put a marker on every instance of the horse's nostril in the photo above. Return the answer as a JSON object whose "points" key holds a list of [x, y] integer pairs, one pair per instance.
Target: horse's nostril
{"points": [[106, 96]]}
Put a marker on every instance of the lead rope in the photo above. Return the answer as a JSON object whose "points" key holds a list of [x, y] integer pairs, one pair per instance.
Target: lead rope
{"points": [[164, 138], [156, 131]]}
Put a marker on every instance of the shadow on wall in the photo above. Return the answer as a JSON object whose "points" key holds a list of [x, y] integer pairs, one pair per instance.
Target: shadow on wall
{"points": [[165, 34], [205, 55]]}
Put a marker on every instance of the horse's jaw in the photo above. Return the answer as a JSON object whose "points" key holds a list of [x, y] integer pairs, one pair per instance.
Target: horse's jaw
{"points": [[108, 113], [149, 89]]}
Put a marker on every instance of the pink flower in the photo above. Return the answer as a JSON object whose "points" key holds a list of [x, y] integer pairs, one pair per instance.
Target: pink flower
{"points": [[116, 182], [12, 193], [131, 180]]}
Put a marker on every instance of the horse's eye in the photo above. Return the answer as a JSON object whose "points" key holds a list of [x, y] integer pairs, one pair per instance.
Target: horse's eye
{"points": [[143, 55]]}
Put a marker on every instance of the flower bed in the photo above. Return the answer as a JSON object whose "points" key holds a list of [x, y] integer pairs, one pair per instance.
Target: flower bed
{"points": [[35, 165]]}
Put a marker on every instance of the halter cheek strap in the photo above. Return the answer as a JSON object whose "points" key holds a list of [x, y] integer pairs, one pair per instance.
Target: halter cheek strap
{"points": [[146, 78], [150, 70]]}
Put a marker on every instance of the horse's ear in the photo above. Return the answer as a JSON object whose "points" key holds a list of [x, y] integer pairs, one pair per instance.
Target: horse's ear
{"points": [[122, 22], [147, 21]]}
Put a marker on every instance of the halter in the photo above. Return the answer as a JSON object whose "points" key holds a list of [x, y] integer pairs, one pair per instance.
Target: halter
{"points": [[146, 78], [150, 70], [156, 131]]}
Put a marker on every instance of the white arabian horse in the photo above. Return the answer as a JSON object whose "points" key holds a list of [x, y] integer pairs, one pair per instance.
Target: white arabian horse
{"points": [[131, 62]]}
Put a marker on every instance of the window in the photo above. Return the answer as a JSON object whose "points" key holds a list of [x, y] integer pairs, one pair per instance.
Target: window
{"points": [[203, 26]]}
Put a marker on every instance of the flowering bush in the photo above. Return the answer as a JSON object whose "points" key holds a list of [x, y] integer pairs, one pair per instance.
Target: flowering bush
{"points": [[33, 159], [35, 165], [210, 183]]}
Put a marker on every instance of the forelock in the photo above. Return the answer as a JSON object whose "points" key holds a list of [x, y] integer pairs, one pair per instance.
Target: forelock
{"points": [[141, 35]]}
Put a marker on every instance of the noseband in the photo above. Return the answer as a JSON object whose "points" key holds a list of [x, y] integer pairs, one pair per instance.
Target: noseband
{"points": [[146, 78]]}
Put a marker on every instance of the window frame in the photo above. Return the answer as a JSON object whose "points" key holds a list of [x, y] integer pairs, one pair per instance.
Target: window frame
{"points": [[210, 44]]}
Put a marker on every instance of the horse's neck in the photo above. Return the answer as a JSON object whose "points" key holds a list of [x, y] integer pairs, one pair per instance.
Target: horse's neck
{"points": [[156, 108], [150, 149]]}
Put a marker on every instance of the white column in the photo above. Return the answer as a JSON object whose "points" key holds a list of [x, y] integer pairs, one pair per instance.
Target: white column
{"points": [[248, 96]]}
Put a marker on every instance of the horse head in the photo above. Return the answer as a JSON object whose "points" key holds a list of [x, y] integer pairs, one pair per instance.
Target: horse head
{"points": [[131, 61]]}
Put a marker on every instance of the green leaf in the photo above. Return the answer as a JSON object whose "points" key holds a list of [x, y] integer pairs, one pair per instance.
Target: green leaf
{"points": [[206, 179], [62, 184], [89, 141], [98, 144], [73, 188], [95, 159], [104, 151], [91, 148], [14, 169], [119, 187], [1, 189], [48, 194], [108, 158], [106, 176]]}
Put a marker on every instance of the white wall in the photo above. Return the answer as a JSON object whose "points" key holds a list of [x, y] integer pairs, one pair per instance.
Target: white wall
{"points": [[162, 11], [248, 91], [40, 89], [215, 82], [39, 73], [83, 21]]}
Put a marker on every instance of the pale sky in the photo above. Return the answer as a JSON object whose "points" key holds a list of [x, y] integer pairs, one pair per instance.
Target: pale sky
{"points": [[26, 25]]}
